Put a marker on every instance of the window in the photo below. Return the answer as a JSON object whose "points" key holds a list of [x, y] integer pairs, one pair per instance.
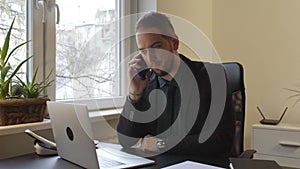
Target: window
{"points": [[87, 56], [9, 10], [82, 51]]}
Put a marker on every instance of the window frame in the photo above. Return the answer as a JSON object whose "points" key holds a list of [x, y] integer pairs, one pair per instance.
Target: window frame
{"points": [[43, 36]]}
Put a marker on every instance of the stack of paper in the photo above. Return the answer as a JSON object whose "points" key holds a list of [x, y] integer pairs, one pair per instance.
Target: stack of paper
{"points": [[192, 165]]}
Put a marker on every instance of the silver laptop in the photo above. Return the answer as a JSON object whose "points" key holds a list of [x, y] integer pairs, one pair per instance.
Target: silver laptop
{"points": [[75, 141]]}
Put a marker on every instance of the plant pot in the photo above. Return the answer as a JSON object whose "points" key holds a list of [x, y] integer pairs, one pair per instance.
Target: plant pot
{"points": [[17, 111]]}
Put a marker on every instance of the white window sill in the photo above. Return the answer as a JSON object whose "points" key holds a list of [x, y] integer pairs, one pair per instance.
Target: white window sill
{"points": [[95, 116]]}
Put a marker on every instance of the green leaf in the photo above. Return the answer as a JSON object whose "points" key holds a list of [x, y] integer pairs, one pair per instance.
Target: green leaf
{"points": [[297, 101], [292, 90], [5, 89], [21, 81], [33, 89], [295, 95], [6, 42], [10, 54], [4, 71], [34, 76], [17, 68]]}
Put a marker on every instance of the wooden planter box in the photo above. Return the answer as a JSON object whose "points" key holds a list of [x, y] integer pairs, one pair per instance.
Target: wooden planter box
{"points": [[17, 111]]}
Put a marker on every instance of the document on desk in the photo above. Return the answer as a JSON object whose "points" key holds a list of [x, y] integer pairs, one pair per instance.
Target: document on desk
{"points": [[192, 165]]}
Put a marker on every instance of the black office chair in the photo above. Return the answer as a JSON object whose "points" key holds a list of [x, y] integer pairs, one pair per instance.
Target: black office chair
{"points": [[235, 77]]}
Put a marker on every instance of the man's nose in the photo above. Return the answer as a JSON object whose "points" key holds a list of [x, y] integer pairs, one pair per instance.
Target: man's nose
{"points": [[151, 53]]}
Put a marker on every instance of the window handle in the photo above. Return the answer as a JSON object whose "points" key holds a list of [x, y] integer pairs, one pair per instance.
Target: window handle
{"points": [[57, 14], [42, 4]]}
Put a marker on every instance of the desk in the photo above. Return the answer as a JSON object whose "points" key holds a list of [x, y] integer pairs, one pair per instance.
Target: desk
{"points": [[32, 161]]}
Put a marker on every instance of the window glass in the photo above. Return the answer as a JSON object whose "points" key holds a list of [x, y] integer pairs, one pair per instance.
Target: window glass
{"points": [[86, 50], [9, 10]]}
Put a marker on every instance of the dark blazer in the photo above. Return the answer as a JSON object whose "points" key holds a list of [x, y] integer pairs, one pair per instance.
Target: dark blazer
{"points": [[196, 103]]}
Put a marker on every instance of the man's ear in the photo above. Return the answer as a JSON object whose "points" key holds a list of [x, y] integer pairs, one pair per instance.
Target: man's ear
{"points": [[175, 43]]}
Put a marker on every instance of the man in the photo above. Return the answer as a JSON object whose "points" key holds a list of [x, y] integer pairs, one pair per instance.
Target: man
{"points": [[170, 97]]}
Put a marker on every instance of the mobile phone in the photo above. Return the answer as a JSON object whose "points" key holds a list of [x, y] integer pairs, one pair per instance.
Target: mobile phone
{"points": [[141, 72], [42, 145], [40, 138]]}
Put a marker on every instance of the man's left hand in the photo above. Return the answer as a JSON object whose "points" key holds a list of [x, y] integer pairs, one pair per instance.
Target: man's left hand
{"points": [[149, 143]]}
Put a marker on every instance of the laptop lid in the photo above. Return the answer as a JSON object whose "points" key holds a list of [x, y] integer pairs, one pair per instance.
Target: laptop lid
{"points": [[75, 141], [73, 133]]}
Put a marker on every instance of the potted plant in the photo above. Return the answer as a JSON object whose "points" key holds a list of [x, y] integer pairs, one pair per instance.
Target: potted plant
{"points": [[295, 95], [31, 89], [20, 102]]}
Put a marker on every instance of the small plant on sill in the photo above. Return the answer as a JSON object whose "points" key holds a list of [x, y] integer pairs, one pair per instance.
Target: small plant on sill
{"points": [[32, 89], [20, 101], [5, 68]]}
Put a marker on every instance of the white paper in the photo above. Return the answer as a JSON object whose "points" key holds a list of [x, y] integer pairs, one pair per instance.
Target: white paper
{"points": [[192, 165]]}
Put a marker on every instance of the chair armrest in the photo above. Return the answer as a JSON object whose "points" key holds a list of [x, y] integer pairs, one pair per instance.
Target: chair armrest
{"points": [[247, 154]]}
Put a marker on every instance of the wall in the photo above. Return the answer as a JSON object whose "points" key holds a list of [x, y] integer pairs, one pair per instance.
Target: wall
{"points": [[197, 13], [263, 36]]}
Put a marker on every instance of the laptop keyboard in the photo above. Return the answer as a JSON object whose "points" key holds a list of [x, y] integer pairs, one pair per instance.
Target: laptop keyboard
{"points": [[108, 163]]}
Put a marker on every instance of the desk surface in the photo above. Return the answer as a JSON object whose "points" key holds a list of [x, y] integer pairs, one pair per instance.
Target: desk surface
{"points": [[33, 161]]}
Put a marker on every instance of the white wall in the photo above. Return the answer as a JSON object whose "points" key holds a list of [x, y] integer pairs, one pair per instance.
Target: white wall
{"points": [[196, 13], [262, 35]]}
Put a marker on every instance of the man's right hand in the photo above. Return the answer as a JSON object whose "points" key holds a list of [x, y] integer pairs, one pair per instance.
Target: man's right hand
{"points": [[136, 84]]}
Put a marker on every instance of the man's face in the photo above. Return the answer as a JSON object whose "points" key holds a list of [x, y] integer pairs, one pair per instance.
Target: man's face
{"points": [[158, 51]]}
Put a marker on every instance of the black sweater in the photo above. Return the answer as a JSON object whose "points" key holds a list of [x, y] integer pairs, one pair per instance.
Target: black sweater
{"points": [[202, 99]]}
